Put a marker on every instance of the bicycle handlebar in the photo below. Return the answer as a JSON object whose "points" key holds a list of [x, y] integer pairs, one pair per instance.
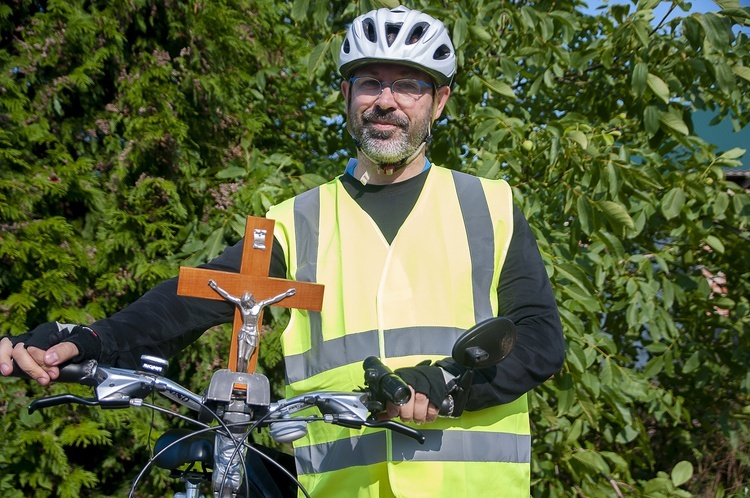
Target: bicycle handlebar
{"points": [[239, 403], [122, 388], [391, 387]]}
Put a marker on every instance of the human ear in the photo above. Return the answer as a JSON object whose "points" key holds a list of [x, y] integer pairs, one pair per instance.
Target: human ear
{"points": [[345, 91], [441, 98]]}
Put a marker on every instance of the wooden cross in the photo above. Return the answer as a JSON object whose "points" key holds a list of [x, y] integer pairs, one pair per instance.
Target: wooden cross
{"points": [[253, 278]]}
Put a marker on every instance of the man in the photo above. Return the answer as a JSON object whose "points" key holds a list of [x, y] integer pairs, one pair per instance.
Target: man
{"points": [[411, 255]]}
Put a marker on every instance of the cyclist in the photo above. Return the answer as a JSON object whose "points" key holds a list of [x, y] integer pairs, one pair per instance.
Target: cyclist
{"points": [[411, 255]]}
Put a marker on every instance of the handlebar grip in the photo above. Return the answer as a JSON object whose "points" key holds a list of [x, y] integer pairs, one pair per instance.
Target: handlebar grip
{"points": [[78, 373], [447, 407], [455, 401], [384, 382], [72, 373]]}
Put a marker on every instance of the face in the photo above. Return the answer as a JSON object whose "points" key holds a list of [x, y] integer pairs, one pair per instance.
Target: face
{"points": [[388, 127]]}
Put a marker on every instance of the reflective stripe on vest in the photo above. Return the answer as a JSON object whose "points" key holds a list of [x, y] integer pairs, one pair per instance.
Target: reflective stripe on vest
{"points": [[454, 446], [326, 355]]}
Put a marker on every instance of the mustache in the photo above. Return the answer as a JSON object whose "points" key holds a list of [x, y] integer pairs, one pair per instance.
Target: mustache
{"points": [[378, 115]]}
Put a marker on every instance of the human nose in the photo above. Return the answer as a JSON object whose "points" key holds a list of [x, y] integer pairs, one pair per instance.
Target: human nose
{"points": [[386, 98]]}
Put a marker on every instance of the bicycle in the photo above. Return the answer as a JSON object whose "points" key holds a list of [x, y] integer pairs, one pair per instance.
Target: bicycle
{"points": [[240, 403]]}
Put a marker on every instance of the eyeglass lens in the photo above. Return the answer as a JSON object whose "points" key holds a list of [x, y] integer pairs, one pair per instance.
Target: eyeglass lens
{"points": [[372, 87]]}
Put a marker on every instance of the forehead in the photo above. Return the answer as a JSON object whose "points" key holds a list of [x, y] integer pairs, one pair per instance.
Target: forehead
{"points": [[390, 72]]}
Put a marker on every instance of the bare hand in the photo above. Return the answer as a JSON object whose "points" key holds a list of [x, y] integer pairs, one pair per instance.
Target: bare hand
{"points": [[38, 364], [418, 410]]}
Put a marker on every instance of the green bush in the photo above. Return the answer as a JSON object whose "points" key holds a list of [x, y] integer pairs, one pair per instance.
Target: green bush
{"points": [[136, 136]]}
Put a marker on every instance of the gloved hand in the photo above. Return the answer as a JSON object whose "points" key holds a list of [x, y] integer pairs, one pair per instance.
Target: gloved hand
{"points": [[49, 334], [426, 379]]}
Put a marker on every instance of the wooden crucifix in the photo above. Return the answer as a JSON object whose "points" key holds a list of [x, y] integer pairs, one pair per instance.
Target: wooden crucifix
{"points": [[250, 288]]}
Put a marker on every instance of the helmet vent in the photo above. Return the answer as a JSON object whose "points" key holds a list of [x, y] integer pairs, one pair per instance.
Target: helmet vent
{"points": [[442, 53], [417, 32], [391, 31], [346, 48], [370, 32]]}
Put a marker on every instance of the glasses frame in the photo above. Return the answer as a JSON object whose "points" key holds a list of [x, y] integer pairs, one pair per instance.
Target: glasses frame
{"points": [[396, 95]]}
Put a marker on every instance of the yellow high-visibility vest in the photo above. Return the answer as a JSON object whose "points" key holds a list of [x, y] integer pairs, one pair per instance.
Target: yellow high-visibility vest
{"points": [[404, 302]]}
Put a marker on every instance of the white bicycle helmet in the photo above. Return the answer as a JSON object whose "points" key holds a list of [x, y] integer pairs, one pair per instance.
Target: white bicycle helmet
{"points": [[399, 35]]}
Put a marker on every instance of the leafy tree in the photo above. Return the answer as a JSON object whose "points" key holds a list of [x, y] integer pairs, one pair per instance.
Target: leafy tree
{"points": [[589, 119], [137, 136]]}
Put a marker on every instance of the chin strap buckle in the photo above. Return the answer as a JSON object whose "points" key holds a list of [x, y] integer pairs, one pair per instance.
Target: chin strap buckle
{"points": [[388, 170]]}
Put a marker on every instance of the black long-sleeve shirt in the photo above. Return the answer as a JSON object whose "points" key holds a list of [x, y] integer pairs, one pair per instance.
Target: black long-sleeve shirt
{"points": [[163, 323]]}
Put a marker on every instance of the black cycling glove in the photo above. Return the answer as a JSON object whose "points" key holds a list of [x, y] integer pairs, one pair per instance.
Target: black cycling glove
{"points": [[426, 379], [48, 334]]}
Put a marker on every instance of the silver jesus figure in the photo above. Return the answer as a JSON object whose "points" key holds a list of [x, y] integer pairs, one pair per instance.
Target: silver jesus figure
{"points": [[247, 339]]}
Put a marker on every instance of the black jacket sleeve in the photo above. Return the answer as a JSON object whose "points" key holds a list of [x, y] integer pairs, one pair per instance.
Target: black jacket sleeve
{"points": [[162, 323], [525, 297]]}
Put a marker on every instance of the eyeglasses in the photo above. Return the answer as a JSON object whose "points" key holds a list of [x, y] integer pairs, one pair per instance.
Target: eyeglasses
{"points": [[406, 91]]}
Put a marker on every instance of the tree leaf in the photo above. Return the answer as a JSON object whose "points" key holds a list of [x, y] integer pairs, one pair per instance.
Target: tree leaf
{"points": [[653, 367], [460, 30], [585, 214], [593, 460], [639, 79], [215, 243], [717, 32], [616, 214], [692, 363], [317, 58], [499, 87], [658, 86], [651, 119], [673, 121], [641, 29], [725, 78], [715, 243], [673, 202], [734, 153], [728, 4], [231, 172], [479, 32], [742, 72], [579, 137], [647, 4], [576, 275], [681, 473], [299, 9], [613, 244], [312, 180]]}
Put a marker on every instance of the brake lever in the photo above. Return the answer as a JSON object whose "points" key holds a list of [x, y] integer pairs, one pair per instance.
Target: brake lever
{"points": [[397, 427], [61, 399]]}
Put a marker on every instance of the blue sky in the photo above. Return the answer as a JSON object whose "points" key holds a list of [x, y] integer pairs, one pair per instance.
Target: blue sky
{"points": [[722, 134], [696, 6]]}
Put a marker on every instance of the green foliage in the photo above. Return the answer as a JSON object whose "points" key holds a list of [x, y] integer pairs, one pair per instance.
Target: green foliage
{"points": [[589, 120], [136, 136]]}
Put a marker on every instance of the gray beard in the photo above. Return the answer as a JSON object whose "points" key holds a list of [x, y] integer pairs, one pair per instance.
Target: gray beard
{"points": [[388, 146]]}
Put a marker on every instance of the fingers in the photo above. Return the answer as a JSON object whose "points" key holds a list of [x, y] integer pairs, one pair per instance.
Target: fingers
{"points": [[6, 362], [60, 353], [392, 410], [432, 412], [418, 410], [38, 364], [31, 361]]}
